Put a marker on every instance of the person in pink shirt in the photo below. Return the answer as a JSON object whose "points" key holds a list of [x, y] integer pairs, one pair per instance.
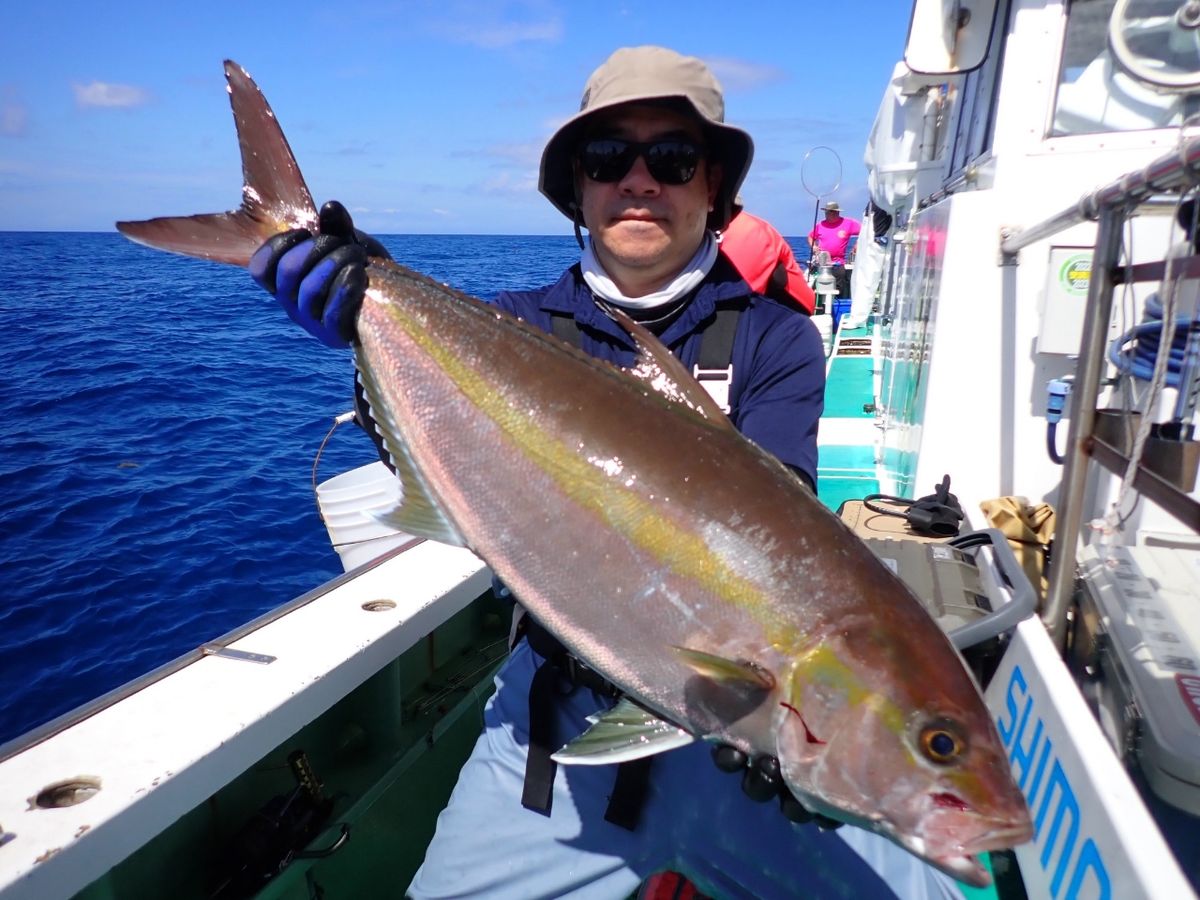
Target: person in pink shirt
{"points": [[833, 234]]}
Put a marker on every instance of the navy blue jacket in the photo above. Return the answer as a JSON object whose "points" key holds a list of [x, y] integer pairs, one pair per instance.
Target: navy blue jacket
{"points": [[778, 389]]}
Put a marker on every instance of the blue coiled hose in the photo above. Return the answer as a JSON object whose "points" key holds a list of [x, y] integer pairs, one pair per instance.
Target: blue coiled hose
{"points": [[1135, 351]]}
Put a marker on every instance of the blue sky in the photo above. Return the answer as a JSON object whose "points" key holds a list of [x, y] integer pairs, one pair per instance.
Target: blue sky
{"points": [[422, 117]]}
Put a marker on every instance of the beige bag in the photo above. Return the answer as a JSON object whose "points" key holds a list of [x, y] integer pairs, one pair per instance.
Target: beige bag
{"points": [[1029, 530]]}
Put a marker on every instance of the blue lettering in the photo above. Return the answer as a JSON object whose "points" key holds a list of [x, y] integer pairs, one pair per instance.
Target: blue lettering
{"points": [[1010, 703], [1067, 804], [1020, 757], [1031, 794], [1090, 861]]}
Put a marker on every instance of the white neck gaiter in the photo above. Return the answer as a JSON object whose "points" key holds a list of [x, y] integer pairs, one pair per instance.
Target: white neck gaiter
{"points": [[690, 276]]}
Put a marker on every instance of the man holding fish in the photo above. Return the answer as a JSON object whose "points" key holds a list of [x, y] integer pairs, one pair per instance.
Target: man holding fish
{"points": [[650, 169]]}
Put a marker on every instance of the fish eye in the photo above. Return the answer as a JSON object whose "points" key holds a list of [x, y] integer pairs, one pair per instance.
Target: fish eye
{"points": [[941, 744]]}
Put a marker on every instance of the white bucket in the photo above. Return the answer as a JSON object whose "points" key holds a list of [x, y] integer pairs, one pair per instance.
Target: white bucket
{"points": [[346, 503], [824, 323]]}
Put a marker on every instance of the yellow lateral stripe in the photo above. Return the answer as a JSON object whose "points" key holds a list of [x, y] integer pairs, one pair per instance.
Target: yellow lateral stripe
{"points": [[588, 485]]}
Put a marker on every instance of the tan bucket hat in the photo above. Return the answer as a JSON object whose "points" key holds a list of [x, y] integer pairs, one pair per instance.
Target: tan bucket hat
{"points": [[641, 74]]}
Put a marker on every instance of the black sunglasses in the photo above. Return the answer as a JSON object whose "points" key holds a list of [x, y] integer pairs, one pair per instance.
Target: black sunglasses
{"points": [[669, 161]]}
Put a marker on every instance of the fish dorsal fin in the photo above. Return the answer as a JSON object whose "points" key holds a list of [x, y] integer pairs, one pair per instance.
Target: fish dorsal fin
{"points": [[623, 733], [418, 512], [740, 672], [666, 375]]}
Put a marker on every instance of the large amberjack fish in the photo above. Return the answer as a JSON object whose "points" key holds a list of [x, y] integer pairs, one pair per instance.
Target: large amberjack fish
{"points": [[670, 553]]}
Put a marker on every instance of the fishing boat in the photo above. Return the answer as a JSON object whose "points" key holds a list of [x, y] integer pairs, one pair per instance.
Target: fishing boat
{"points": [[1034, 159]]}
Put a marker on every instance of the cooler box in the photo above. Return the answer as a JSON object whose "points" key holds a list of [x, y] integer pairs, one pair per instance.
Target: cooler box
{"points": [[840, 308], [972, 584], [1138, 639]]}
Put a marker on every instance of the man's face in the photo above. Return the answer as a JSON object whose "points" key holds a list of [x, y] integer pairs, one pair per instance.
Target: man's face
{"points": [[832, 215], [645, 231]]}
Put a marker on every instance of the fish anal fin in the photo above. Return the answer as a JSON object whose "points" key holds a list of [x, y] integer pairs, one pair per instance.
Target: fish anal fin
{"points": [[419, 512]]}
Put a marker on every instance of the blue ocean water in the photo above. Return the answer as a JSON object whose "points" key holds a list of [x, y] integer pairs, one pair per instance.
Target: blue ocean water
{"points": [[161, 416]]}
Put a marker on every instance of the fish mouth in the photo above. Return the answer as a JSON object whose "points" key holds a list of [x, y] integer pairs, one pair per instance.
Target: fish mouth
{"points": [[962, 862], [966, 869]]}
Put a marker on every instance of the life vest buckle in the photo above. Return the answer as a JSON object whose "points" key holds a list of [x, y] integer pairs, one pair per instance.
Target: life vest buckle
{"points": [[717, 382]]}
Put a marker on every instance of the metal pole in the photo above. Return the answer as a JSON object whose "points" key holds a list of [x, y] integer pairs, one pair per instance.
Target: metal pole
{"points": [[1083, 415]]}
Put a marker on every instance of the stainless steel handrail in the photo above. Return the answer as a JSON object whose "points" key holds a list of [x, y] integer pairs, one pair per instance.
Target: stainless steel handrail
{"points": [[1069, 519], [1171, 170]]}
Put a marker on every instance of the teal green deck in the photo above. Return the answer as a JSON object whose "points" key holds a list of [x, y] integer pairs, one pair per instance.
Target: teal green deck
{"points": [[847, 471]]}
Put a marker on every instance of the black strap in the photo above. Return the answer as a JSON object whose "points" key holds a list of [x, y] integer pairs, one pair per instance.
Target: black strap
{"points": [[716, 342], [629, 791], [538, 791]]}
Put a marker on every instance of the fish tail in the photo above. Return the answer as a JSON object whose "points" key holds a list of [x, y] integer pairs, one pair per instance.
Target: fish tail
{"points": [[274, 195]]}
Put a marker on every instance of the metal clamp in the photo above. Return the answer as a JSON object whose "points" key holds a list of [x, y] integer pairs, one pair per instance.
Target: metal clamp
{"points": [[240, 655], [717, 382]]}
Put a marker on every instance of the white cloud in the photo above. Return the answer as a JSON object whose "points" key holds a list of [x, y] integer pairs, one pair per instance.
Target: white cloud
{"points": [[509, 184], [525, 154], [506, 34], [740, 75], [496, 26], [103, 94]]}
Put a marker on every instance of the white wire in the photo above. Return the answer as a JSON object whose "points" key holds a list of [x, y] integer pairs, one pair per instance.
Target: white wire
{"points": [[1114, 520]]}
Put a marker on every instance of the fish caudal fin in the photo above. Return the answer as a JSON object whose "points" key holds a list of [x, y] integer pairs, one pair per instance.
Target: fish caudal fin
{"points": [[274, 195]]}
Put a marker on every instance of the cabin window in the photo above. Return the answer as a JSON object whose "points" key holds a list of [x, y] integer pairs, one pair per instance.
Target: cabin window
{"points": [[977, 101], [1094, 93]]}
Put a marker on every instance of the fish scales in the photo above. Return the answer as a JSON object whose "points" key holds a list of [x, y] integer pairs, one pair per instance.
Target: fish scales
{"points": [[704, 541]]}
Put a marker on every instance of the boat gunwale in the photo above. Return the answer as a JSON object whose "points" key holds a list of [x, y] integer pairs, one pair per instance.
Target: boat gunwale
{"points": [[84, 711]]}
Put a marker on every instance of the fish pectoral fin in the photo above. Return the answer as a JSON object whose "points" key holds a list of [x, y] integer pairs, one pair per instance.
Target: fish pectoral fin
{"points": [[418, 513], [621, 734], [725, 671], [666, 375]]}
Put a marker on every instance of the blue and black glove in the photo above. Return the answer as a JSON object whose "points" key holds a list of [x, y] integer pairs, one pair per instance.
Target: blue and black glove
{"points": [[319, 281], [762, 781]]}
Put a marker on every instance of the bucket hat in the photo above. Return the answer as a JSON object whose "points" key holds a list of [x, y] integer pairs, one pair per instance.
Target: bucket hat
{"points": [[654, 75]]}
